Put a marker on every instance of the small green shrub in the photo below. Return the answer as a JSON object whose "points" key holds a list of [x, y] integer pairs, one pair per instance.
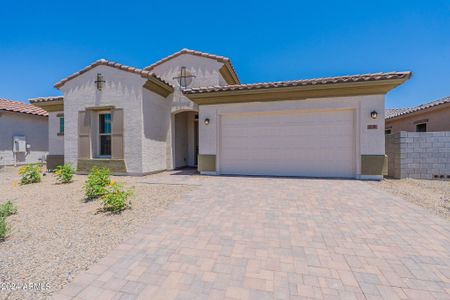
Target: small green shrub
{"points": [[96, 183], [4, 228], [116, 198], [64, 173], [7, 209], [30, 174]]}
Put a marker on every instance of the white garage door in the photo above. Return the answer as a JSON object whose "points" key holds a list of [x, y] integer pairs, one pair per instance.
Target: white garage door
{"points": [[295, 143]]}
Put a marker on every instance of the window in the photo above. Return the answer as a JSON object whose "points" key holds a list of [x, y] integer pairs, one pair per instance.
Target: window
{"points": [[388, 131], [104, 126], [61, 125], [421, 127]]}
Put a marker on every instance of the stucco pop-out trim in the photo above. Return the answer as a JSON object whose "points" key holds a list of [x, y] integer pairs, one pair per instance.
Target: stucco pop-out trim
{"points": [[374, 164], [54, 160], [206, 163], [114, 165]]}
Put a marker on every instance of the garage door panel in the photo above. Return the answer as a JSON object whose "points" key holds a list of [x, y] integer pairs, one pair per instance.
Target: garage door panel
{"points": [[288, 144]]}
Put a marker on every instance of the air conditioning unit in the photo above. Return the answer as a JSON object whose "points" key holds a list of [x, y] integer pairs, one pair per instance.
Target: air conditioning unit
{"points": [[19, 144]]}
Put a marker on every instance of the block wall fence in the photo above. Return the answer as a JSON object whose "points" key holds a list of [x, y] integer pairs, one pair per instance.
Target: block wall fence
{"points": [[422, 155]]}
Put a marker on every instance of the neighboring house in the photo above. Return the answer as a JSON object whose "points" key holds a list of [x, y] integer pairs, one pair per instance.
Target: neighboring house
{"points": [[418, 140], [428, 117], [190, 109], [23, 133]]}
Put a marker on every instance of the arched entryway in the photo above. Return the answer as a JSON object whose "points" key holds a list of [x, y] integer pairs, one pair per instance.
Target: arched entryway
{"points": [[185, 142]]}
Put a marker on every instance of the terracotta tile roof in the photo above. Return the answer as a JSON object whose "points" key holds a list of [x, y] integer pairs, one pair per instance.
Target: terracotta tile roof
{"points": [[15, 106], [46, 99], [104, 62], [304, 82], [218, 58], [393, 113]]}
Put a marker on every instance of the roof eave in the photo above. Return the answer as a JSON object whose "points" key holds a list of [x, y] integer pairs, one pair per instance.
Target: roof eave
{"points": [[228, 74], [159, 87], [51, 106], [22, 112], [296, 92]]}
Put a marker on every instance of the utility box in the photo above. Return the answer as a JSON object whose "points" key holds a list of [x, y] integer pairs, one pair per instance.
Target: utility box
{"points": [[19, 144]]}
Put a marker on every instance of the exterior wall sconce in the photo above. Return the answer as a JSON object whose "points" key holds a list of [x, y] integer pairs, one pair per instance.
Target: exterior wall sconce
{"points": [[206, 121], [374, 114], [100, 82]]}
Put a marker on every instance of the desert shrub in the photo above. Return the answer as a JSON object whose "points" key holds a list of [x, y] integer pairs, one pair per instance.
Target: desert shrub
{"points": [[96, 183], [64, 173], [7, 209], [30, 174], [116, 198], [4, 228]]}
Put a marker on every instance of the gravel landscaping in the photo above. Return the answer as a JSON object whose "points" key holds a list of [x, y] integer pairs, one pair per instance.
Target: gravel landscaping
{"points": [[431, 194], [55, 234]]}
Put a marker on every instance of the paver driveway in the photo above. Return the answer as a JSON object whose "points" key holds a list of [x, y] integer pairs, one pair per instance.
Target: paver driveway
{"points": [[265, 238]]}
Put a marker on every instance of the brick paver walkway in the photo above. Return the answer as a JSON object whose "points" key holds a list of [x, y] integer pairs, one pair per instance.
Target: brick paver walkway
{"points": [[263, 238]]}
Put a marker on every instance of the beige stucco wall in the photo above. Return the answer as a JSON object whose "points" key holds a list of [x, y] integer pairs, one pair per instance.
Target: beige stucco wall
{"points": [[368, 141], [123, 90], [55, 141], [206, 73], [205, 70], [156, 118], [35, 130], [438, 120], [149, 122]]}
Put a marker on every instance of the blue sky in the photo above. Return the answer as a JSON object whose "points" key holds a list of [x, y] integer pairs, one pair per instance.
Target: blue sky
{"points": [[42, 42]]}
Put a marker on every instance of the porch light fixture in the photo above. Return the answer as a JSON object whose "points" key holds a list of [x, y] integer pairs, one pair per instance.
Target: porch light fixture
{"points": [[206, 121], [374, 114], [100, 82]]}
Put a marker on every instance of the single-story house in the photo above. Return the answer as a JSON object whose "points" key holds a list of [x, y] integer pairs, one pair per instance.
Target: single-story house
{"points": [[429, 117], [23, 133], [190, 109]]}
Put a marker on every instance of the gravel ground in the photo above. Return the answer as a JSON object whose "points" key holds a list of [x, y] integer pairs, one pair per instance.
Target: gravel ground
{"points": [[431, 194], [55, 234]]}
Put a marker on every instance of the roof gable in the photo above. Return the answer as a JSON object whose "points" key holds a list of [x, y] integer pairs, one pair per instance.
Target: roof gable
{"points": [[228, 72], [104, 62]]}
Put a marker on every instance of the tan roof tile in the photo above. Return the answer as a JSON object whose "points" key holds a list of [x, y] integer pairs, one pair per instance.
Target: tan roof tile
{"points": [[303, 82], [104, 62], [15, 106], [46, 99], [397, 112], [391, 112]]}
